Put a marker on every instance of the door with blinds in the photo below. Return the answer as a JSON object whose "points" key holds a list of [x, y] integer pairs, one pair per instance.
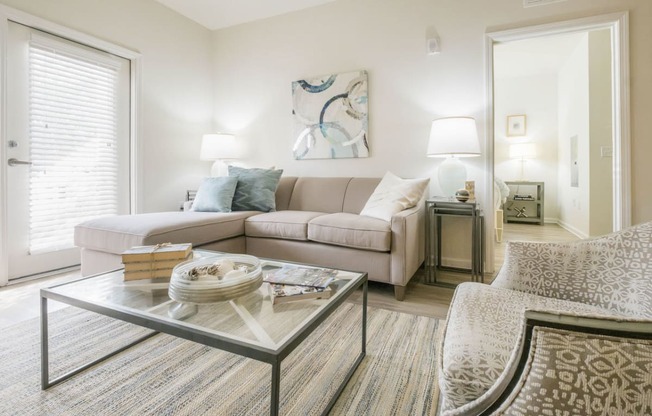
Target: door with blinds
{"points": [[67, 145]]}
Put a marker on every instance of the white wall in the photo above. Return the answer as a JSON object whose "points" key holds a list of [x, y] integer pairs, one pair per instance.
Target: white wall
{"points": [[176, 88], [536, 97], [574, 121], [256, 62]]}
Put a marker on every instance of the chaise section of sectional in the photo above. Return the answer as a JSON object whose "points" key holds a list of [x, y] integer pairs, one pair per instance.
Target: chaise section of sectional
{"points": [[104, 239]]}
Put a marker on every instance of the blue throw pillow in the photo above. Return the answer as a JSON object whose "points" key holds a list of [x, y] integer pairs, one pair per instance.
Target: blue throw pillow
{"points": [[215, 194], [256, 190]]}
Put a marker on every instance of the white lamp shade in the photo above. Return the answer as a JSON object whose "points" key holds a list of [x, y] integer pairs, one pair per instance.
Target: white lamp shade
{"points": [[453, 136], [522, 151], [219, 146]]}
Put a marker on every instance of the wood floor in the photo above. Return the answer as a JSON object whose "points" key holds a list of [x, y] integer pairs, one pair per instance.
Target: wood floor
{"points": [[20, 301]]}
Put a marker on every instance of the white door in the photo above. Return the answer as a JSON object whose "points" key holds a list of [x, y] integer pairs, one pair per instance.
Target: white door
{"points": [[67, 145]]}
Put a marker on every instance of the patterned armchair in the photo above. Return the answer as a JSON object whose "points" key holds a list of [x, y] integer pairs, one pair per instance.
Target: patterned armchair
{"points": [[565, 328]]}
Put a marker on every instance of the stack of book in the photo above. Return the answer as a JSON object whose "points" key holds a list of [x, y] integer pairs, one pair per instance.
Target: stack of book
{"points": [[295, 283], [152, 262]]}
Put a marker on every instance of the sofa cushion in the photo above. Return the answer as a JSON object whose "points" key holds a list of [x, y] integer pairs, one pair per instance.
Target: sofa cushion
{"points": [[256, 189], [319, 194], [290, 225], [482, 332], [393, 195], [351, 230], [118, 233], [215, 194]]}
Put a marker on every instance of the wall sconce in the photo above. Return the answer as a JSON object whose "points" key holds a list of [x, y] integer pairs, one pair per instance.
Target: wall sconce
{"points": [[433, 46], [453, 138], [221, 148]]}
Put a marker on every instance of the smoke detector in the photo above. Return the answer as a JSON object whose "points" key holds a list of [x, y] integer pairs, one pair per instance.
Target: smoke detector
{"points": [[532, 3]]}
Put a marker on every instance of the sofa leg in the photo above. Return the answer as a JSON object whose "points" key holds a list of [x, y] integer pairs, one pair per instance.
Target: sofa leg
{"points": [[399, 292]]}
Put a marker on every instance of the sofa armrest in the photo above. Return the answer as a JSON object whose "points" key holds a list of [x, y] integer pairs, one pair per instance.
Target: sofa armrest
{"points": [[408, 243], [603, 362]]}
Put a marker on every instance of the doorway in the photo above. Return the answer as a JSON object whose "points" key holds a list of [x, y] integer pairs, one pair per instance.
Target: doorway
{"points": [[540, 159], [68, 141]]}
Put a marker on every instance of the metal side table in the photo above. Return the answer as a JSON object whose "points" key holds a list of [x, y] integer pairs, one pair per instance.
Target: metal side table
{"points": [[436, 209]]}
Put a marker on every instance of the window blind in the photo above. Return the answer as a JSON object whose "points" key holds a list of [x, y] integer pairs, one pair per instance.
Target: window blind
{"points": [[73, 143]]}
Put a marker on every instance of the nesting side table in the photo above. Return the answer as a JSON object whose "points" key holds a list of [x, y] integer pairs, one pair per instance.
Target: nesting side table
{"points": [[436, 209]]}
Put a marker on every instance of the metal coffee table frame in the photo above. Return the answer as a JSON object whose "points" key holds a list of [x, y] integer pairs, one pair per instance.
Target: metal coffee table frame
{"points": [[202, 337]]}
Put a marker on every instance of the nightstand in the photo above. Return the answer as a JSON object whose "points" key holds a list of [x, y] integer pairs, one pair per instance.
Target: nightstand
{"points": [[525, 202], [436, 209]]}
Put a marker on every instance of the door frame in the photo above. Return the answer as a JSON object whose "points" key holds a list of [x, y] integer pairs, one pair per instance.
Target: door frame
{"points": [[618, 23], [8, 14]]}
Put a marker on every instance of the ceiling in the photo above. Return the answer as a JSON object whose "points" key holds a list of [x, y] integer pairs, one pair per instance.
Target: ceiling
{"points": [[218, 14], [536, 56]]}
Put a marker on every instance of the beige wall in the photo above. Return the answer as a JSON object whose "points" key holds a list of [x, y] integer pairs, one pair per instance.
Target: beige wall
{"points": [[600, 127], [255, 64], [176, 96]]}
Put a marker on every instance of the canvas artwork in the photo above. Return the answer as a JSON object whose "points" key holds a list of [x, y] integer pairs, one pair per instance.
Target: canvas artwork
{"points": [[330, 116]]}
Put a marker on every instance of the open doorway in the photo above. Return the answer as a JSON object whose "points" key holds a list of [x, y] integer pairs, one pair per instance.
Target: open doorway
{"points": [[558, 144]]}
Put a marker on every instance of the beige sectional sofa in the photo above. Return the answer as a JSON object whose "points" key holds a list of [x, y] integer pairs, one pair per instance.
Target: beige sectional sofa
{"points": [[316, 221]]}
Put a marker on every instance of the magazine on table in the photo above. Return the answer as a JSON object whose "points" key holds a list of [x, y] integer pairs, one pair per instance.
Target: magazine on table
{"points": [[302, 276], [279, 293]]}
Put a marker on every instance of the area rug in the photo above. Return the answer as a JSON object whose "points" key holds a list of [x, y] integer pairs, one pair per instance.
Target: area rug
{"points": [[169, 376]]}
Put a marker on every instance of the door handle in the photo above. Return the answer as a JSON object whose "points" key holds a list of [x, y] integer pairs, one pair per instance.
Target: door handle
{"points": [[15, 162]]}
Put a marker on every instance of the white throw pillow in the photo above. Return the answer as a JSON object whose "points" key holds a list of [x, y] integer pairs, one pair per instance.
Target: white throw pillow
{"points": [[393, 195]]}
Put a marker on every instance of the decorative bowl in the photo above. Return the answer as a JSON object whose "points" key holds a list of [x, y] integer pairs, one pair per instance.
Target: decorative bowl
{"points": [[215, 279]]}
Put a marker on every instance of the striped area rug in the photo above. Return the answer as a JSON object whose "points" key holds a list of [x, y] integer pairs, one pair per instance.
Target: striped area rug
{"points": [[169, 376]]}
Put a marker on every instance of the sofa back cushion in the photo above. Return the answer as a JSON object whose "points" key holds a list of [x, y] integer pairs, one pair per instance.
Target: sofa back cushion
{"points": [[319, 194], [329, 195], [284, 192], [357, 194]]}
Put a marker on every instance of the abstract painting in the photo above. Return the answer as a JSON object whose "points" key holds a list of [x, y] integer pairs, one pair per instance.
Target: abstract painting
{"points": [[330, 116]]}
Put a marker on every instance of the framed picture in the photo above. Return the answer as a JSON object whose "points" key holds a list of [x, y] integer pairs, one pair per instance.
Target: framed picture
{"points": [[516, 125], [330, 116]]}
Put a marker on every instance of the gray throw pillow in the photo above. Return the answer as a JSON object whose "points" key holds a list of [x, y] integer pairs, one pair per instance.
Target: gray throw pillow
{"points": [[215, 194], [256, 190]]}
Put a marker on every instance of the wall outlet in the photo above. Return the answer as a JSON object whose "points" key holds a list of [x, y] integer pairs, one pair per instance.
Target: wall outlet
{"points": [[606, 151]]}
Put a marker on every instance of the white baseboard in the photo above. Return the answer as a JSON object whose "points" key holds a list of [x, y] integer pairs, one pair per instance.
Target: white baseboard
{"points": [[572, 230]]}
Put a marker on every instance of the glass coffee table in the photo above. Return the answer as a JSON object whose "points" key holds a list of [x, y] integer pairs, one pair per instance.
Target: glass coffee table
{"points": [[249, 326]]}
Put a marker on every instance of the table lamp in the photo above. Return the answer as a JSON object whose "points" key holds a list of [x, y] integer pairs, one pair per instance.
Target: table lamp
{"points": [[453, 138], [522, 151], [221, 148]]}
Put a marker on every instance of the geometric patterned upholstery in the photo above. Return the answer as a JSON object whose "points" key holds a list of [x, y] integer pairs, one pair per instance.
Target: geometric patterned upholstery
{"points": [[587, 373], [482, 334], [607, 277], [614, 271]]}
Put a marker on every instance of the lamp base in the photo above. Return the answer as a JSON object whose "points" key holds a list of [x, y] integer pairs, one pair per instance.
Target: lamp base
{"points": [[220, 168], [451, 175]]}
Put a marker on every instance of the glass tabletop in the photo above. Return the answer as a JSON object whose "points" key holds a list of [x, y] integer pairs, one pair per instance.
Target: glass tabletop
{"points": [[251, 319]]}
